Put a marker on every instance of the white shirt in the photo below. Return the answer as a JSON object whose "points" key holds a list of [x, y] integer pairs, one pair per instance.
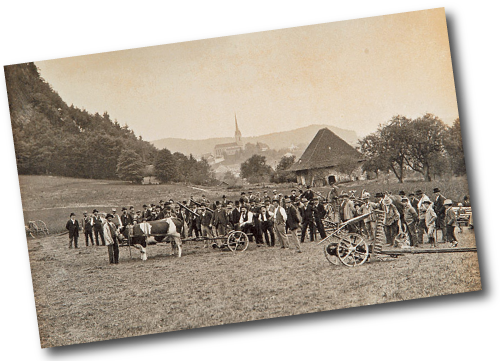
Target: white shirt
{"points": [[250, 218]]}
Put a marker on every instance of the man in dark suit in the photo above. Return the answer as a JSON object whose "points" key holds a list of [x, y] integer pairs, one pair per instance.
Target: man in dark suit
{"points": [[292, 221], [266, 221], [319, 213], [307, 221], [72, 227], [236, 214], [88, 228], [440, 210], [220, 220], [126, 218], [308, 194], [98, 230]]}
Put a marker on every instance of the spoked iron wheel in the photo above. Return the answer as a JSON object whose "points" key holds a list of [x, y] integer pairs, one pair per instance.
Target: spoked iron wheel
{"points": [[352, 250], [237, 241]]}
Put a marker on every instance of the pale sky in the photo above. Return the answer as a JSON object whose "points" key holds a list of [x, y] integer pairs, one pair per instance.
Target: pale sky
{"points": [[352, 74]]}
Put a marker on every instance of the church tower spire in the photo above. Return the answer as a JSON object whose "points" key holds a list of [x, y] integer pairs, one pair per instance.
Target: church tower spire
{"points": [[237, 133]]}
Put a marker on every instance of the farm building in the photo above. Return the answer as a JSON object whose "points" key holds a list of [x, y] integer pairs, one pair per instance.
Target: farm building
{"points": [[328, 159]]}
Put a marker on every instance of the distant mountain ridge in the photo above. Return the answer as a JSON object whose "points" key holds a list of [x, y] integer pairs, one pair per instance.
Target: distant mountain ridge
{"points": [[300, 137]]}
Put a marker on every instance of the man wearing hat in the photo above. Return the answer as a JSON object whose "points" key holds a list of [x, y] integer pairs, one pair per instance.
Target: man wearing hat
{"points": [[205, 224], [275, 195], [292, 221], [307, 220], [370, 222], [413, 201], [116, 219], [145, 212], [98, 231], [72, 227], [450, 222], [349, 210], [430, 222], [319, 213], [411, 220], [88, 228], [246, 223], [279, 220], [309, 194], [220, 220], [440, 213], [421, 228], [391, 220], [126, 218], [110, 239]]}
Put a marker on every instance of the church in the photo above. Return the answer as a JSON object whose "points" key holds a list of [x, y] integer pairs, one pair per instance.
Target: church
{"points": [[221, 151]]}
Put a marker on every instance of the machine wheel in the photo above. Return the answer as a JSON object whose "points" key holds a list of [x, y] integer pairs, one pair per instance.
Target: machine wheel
{"points": [[352, 250], [237, 241], [331, 252]]}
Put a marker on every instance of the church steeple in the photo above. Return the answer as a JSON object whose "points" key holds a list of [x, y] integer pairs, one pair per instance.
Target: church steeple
{"points": [[237, 133]]}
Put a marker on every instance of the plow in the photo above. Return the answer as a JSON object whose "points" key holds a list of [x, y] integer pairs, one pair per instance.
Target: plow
{"points": [[352, 248]]}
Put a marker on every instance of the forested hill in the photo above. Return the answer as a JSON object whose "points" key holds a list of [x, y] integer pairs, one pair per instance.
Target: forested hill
{"points": [[51, 137]]}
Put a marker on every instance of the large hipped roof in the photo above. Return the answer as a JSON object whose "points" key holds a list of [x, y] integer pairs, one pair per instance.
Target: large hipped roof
{"points": [[326, 150]]}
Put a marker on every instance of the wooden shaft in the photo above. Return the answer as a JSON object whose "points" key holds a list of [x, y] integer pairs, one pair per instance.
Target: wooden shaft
{"points": [[186, 208]]}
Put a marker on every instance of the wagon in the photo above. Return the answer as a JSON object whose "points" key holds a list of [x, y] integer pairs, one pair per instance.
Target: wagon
{"points": [[353, 249]]}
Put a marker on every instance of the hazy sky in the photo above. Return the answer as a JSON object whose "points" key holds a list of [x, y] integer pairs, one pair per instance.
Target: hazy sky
{"points": [[353, 74]]}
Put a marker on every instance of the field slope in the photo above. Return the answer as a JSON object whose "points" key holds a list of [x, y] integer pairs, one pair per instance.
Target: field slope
{"points": [[81, 298]]}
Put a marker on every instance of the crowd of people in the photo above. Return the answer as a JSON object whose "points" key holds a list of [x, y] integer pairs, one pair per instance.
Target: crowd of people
{"points": [[273, 220]]}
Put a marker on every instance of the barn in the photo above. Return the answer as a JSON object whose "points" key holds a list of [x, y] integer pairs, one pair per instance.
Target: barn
{"points": [[328, 159]]}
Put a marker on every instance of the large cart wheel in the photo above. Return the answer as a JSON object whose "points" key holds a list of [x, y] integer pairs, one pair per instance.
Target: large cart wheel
{"points": [[237, 241], [352, 250]]}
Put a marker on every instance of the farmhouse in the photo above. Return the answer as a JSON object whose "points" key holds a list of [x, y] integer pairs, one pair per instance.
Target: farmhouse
{"points": [[328, 159]]}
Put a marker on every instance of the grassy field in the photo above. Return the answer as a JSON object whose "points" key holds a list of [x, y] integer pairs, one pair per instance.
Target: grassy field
{"points": [[81, 298]]}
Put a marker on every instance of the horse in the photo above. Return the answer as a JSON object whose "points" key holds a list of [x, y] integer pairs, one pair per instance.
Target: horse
{"points": [[163, 230]]}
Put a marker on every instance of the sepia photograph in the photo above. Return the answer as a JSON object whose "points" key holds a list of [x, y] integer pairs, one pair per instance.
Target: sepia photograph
{"points": [[243, 178]]}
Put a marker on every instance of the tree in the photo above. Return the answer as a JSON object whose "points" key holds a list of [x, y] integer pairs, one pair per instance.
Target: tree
{"points": [[370, 148], [282, 174], [426, 142], [130, 166], [387, 148], [255, 169], [165, 166], [454, 147]]}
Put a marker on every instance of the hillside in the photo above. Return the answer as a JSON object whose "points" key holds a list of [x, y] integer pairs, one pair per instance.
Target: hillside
{"points": [[51, 137], [300, 137]]}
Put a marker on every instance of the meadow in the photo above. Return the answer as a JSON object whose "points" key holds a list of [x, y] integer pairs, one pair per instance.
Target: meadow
{"points": [[81, 298]]}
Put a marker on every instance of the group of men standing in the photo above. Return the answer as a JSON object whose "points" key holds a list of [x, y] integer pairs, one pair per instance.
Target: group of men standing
{"points": [[415, 215], [273, 219]]}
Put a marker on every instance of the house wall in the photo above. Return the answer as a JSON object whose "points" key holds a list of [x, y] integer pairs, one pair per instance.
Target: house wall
{"points": [[319, 177]]}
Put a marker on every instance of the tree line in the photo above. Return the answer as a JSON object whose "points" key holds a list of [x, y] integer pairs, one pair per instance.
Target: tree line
{"points": [[424, 145], [402, 145], [51, 137]]}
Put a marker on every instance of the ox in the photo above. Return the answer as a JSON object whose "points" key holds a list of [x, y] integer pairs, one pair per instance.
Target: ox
{"points": [[163, 230]]}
